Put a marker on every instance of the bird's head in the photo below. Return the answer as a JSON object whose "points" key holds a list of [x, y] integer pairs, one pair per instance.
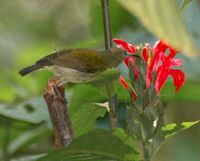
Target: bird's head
{"points": [[118, 53]]}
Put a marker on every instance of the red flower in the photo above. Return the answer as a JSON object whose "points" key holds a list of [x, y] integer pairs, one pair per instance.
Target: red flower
{"points": [[125, 84], [129, 59], [133, 95], [145, 51], [125, 45], [161, 64]]}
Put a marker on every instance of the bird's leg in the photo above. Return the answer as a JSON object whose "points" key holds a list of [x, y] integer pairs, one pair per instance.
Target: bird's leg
{"points": [[54, 85]]}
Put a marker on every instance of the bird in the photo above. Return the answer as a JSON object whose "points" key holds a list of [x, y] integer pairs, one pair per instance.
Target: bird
{"points": [[77, 65]]}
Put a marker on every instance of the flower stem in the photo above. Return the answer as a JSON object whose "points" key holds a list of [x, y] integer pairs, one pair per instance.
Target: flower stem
{"points": [[146, 151]]}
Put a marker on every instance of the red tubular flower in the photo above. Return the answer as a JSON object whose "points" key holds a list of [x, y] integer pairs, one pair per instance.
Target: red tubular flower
{"points": [[145, 54], [161, 64], [129, 59], [125, 45], [134, 96], [145, 51], [123, 82]]}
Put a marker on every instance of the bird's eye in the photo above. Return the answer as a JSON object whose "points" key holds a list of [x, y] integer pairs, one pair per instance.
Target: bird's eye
{"points": [[125, 53]]}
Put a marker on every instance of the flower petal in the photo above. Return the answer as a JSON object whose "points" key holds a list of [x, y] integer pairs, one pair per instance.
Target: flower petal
{"points": [[123, 82], [125, 45], [159, 48], [133, 95], [178, 78], [127, 60], [130, 60], [160, 60], [148, 78], [161, 77], [145, 54], [176, 62]]}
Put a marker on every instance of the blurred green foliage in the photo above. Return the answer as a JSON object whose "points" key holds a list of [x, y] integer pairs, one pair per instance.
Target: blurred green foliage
{"points": [[90, 147], [32, 29]]}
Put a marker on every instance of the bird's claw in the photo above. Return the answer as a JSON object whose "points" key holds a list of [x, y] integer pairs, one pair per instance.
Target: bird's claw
{"points": [[52, 83]]}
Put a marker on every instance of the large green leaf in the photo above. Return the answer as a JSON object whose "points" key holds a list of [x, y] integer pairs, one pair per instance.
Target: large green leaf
{"points": [[133, 122], [98, 145], [32, 111], [82, 109], [163, 18], [167, 131], [26, 137], [171, 129], [106, 82], [183, 3]]}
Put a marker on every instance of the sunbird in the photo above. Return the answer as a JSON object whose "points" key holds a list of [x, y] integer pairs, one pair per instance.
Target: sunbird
{"points": [[77, 65]]}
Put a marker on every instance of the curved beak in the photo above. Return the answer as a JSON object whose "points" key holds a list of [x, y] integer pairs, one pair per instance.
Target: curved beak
{"points": [[134, 55]]}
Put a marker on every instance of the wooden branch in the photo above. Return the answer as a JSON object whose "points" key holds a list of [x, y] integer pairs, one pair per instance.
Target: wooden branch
{"points": [[57, 105], [113, 102]]}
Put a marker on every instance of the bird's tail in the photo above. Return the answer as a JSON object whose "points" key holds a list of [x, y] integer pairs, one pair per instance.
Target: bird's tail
{"points": [[29, 69]]}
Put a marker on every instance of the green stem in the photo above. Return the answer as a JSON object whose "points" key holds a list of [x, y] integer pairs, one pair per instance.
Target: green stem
{"points": [[113, 109], [113, 114], [146, 154]]}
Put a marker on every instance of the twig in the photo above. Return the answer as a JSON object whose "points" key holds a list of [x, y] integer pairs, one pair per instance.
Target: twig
{"points": [[113, 102], [56, 102], [107, 25]]}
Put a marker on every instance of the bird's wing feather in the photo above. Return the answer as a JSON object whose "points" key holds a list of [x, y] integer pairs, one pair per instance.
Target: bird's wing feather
{"points": [[84, 60]]}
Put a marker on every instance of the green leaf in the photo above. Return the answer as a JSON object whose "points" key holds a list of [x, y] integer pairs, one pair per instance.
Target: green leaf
{"points": [[98, 145], [106, 76], [163, 18], [106, 82], [29, 157], [184, 3], [134, 123], [32, 111], [25, 138], [147, 125], [82, 109], [168, 131], [173, 128]]}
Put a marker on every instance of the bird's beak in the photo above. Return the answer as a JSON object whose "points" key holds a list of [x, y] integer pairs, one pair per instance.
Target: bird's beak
{"points": [[127, 54], [133, 55]]}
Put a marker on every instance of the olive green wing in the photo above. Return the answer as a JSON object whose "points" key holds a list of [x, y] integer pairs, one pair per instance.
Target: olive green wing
{"points": [[84, 60]]}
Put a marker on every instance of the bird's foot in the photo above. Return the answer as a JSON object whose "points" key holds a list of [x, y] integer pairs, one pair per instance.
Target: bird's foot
{"points": [[54, 85]]}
